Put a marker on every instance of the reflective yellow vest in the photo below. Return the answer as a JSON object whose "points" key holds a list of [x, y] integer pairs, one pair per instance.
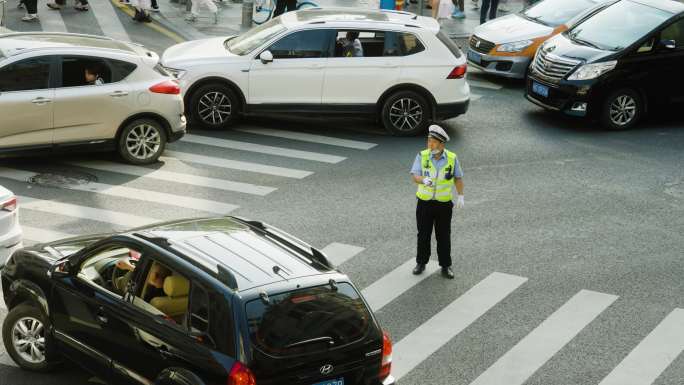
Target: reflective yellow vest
{"points": [[442, 189]]}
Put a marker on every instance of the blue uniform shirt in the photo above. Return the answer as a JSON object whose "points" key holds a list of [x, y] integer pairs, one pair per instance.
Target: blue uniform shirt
{"points": [[417, 168]]}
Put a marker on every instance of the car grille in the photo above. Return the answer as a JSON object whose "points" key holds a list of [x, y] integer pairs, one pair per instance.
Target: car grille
{"points": [[480, 45], [551, 67]]}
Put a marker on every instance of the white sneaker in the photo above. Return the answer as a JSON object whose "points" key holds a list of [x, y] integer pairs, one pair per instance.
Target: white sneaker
{"points": [[30, 17], [191, 17]]}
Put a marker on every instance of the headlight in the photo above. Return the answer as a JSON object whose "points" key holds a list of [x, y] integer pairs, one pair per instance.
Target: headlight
{"points": [[176, 73], [592, 71], [516, 46]]}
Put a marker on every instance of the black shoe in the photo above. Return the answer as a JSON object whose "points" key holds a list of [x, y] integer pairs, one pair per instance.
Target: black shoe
{"points": [[419, 269], [447, 273]]}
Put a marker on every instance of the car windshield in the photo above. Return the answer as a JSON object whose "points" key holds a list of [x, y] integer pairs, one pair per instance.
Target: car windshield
{"points": [[556, 12], [254, 38], [618, 26], [308, 320]]}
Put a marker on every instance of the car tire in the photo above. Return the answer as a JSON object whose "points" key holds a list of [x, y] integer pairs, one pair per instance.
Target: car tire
{"points": [[26, 322], [406, 113], [142, 141], [214, 106], [622, 109]]}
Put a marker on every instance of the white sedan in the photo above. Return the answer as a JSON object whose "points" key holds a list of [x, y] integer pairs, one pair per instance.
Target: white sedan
{"points": [[10, 230]]}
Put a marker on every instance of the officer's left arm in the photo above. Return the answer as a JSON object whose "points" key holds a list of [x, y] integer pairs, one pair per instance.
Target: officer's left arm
{"points": [[458, 177], [459, 185]]}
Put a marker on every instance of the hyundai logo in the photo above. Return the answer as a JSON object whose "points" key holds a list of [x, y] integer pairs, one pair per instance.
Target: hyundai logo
{"points": [[326, 369]]}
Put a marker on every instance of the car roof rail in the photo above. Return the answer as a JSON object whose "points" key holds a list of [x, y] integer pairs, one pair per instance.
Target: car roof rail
{"points": [[16, 34], [227, 277], [159, 241]]}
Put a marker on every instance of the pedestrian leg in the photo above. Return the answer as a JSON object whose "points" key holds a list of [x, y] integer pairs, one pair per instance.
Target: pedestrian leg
{"points": [[280, 8], [493, 7], [443, 213], [31, 10], [425, 221], [484, 9], [291, 5]]}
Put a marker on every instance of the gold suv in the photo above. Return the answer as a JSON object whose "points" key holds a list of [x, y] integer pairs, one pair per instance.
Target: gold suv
{"points": [[68, 92]]}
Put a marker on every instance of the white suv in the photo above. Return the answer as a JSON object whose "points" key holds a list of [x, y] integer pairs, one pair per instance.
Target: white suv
{"points": [[393, 66], [65, 92]]}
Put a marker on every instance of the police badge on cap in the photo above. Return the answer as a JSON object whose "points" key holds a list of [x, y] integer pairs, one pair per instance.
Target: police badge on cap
{"points": [[435, 131]]}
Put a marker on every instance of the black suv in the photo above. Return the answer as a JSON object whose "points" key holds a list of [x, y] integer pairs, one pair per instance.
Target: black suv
{"points": [[207, 301], [615, 65]]}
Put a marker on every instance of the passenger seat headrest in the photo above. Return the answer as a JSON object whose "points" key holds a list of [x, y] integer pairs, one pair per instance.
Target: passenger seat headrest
{"points": [[176, 286]]}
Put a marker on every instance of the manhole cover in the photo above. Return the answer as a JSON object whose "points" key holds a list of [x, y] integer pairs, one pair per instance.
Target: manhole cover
{"points": [[61, 178]]}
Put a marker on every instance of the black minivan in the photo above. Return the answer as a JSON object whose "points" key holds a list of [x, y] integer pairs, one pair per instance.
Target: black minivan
{"points": [[615, 65]]}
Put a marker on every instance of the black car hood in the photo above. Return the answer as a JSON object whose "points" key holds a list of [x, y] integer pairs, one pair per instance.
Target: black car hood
{"points": [[562, 46]]}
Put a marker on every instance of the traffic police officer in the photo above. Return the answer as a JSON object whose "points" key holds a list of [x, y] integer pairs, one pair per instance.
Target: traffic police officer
{"points": [[435, 171]]}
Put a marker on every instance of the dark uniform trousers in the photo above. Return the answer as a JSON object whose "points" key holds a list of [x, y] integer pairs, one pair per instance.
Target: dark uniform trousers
{"points": [[435, 214]]}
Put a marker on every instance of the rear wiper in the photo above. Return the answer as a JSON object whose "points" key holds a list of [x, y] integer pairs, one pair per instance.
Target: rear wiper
{"points": [[328, 340]]}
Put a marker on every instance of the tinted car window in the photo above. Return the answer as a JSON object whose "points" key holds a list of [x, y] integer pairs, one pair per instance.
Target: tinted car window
{"points": [[308, 320], [25, 75], [254, 38], [557, 12], [410, 44], [449, 43], [74, 71], [674, 32], [199, 310], [302, 45], [120, 69]]}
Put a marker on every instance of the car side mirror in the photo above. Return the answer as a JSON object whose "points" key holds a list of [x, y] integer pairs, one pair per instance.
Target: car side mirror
{"points": [[668, 44], [266, 57]]}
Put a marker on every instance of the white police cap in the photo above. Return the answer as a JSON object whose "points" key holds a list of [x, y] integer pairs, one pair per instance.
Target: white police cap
{"points": [[435, 131]]}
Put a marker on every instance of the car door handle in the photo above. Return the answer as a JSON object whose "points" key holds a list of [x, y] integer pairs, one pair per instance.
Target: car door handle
{"points": [[164, 352], [41, 100], [118, 94], [101, 318]]}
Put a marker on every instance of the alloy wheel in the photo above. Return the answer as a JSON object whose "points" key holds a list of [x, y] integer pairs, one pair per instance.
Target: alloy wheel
{"points": [[406, 114], [143, 141], [623, 110], [28, 339], [214, 108]]}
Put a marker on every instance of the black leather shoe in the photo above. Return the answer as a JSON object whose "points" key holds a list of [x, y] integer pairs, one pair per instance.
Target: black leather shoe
{"points": [[447, 273], [419, 269]]}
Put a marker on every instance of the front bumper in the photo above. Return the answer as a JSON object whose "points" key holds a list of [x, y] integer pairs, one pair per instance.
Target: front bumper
{"points": [[514, 67], [451, 110], [570, 98], [9, 243]]}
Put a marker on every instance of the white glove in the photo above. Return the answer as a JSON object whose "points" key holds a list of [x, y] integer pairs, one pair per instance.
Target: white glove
{"points": [[460, 202], [427, 182]]}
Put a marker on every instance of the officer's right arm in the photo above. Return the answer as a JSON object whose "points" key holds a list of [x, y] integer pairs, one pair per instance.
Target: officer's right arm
{"points": [[417, 171]]}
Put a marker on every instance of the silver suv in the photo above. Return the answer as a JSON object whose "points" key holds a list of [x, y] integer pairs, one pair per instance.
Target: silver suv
{"points": [[67, 92]]}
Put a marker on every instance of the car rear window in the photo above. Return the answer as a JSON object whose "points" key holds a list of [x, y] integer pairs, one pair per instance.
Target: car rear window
{"points": [[449, 43], [307, 320]]}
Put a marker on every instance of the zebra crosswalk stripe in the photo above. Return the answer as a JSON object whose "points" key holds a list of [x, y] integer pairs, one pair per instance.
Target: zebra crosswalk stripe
{"points": [[339, 253], [176, 156], [452, 320], [262, 149], [42, 235], [533, 351], [133, 193], [108, 20], [305, 137], [395, 283], [653, 355], [175, 177], [51, 20], [84, 212]]}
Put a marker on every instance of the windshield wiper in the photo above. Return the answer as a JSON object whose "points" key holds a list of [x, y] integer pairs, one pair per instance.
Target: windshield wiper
{"points": [[328, 340], [536, 19], [575, 39]]}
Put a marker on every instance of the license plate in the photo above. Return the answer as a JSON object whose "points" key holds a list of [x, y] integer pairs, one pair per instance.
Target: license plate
{"points": [[338, 381], [540, 89], [474, 57]]}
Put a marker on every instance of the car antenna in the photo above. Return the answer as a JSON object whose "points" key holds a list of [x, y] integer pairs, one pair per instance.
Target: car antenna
{"points": [[333, 284], [277, 271]]}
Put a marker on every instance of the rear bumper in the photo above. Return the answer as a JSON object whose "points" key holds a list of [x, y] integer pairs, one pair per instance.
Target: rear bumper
{"points": [[178, 129], [451, 110], [9, 243]]}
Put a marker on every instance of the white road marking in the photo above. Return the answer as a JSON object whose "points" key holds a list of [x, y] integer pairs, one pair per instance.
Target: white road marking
{"points": [[43, 235], [132, 193], [50, 19], [304, 137], [339, 253], [475, 96], [452, 320], [262, 149], [175, 177], [108, 20], [653, 355], [235, 165], [395, 283], [484, 84], [84, 212], [533, 351]]}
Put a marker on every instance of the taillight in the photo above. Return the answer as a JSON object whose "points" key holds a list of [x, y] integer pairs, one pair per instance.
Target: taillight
{"points": [[9, 205], [386, 365], [241, 375], [167, 87], [458, 72]]}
